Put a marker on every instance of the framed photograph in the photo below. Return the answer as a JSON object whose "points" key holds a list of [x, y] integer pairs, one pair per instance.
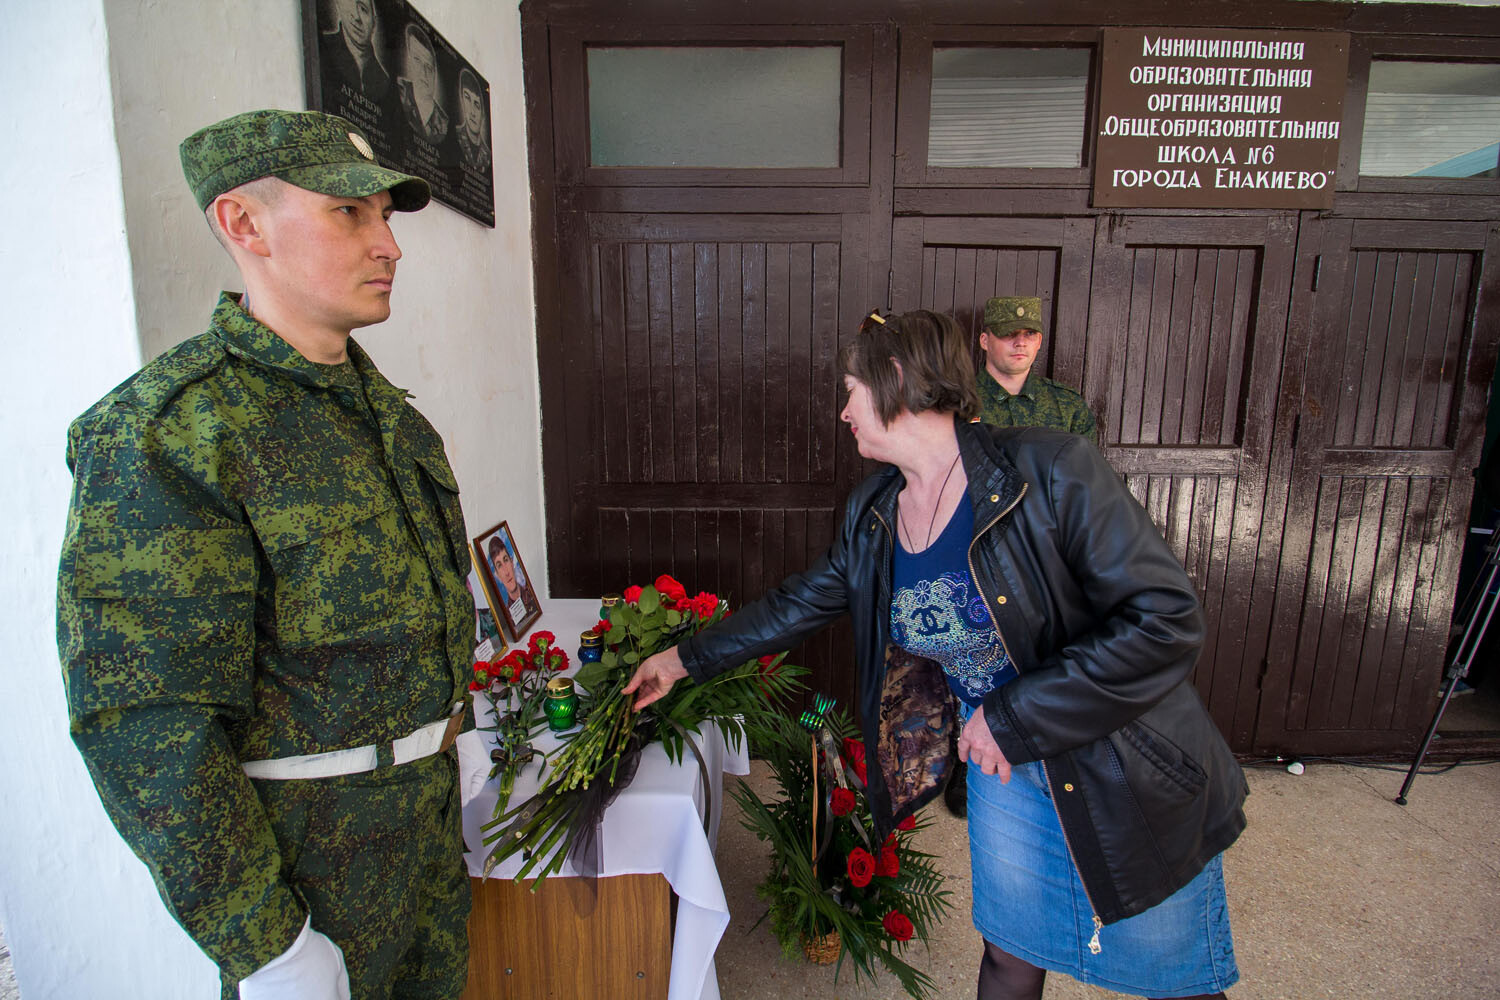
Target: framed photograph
{"points": [[506, 582], [489, 640], [424, 107]]}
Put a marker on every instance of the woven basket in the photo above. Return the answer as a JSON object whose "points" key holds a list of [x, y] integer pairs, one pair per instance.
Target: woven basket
{"points": [[822, 950]]}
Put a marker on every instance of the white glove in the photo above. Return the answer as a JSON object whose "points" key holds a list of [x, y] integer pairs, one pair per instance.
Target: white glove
{"points": [[311, 969]]}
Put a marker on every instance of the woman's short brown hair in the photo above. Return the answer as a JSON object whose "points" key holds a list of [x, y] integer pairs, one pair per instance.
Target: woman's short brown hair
{"points": [[935, 359]]}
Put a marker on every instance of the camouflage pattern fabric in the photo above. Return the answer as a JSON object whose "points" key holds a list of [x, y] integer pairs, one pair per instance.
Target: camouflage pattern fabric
{"points": [[1040, 403], [918, 724], [378, 858], [313, 150], [264, 557]]}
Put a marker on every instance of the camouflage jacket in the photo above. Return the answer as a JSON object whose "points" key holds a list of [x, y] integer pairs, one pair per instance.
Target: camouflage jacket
{"points": [[264, 557], [1040, 403]]}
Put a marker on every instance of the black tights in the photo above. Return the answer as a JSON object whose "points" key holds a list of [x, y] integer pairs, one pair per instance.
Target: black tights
{"points": [[1003, 976]]}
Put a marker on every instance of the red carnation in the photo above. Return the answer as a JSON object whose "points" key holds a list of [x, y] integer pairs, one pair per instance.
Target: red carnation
{"points": [[898, 925], [632, 594], [480, 666], [843, 802], [557, 660], [601, 626], [541, 641], [477, 685], [861, 867], [704, 604], [908, 824], [672, 592], [513, 666], [888, 866]]}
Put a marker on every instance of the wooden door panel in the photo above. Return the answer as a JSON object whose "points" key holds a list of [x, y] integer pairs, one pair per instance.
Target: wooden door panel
{"points": [[1389, 426], [702, 402], [1186, 336]]}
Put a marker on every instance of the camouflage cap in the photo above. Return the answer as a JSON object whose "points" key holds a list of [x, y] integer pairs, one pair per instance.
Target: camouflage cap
{"points": [[1005, 314], [319, 152]]}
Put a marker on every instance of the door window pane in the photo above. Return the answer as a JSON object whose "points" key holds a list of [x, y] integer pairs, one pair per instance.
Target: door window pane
{"points": [[713, 106], [1431, 119], [1007, 107]]}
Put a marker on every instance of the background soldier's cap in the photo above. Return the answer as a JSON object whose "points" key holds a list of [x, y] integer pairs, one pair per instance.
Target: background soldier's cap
{"points": [[319, 152], [1006, 314]]}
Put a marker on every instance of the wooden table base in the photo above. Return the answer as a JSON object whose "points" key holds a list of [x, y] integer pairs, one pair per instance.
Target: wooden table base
{"points": [[566, 941]]}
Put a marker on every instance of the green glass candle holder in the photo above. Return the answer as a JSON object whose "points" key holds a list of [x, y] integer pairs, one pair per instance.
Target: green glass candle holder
{"points": [[562, 704]]}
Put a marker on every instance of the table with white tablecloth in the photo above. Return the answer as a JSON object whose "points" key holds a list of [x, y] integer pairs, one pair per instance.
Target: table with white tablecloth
{"points": [[655, 825]]}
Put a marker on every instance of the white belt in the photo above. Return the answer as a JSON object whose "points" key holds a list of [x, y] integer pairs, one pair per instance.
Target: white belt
{"points": [[432, 738]]}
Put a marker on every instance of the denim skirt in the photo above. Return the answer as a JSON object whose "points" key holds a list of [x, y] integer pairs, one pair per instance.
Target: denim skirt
{"points": [[1029, 901]]}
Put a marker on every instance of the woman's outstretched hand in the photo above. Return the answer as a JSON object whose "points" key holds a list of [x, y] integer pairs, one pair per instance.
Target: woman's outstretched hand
{"points": [[977, 746], [655, 677]]}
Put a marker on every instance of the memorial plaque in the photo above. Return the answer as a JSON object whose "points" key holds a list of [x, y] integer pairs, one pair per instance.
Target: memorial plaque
{"points": [[1210, 118], [380, 64]]}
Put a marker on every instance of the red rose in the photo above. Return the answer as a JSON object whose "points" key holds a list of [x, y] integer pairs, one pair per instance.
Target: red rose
{"points": [[843, 802], [541, 641], [908, 824], [671, 591], [861, 867], [898, 925], [854, 753], [602, 626], [888, 866], [767, 668], [632, 594]]}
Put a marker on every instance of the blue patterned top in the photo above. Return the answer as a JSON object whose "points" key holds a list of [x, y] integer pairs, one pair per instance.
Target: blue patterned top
{"points": [[938, 612]]}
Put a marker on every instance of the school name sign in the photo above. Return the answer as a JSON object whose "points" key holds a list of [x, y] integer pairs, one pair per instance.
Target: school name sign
{"points": [[1219, 119]]}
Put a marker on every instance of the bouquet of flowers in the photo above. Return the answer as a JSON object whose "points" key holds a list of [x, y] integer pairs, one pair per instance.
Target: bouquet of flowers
{"points": [[831, 888], [587, 771], [518, 682]]}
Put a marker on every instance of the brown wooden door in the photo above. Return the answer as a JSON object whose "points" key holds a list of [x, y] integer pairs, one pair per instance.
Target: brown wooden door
{"points": [[1399, 324], [702, 378], [1187, 328]]}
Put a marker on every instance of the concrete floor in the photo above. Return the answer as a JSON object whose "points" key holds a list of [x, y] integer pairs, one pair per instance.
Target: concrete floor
{"points": [[1334, 891]]}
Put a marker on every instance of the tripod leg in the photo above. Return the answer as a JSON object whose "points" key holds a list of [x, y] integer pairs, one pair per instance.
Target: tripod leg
{"points": [[1411, 774], [1463, 656]]}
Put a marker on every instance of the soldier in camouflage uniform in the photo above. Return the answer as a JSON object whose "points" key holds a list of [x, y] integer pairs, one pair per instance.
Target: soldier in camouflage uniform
{"points": [[1009, 393], [262, 613]]}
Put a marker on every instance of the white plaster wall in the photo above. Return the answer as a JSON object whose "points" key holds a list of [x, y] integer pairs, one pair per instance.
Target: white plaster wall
{"points": [[124, 82], [79, 910]]}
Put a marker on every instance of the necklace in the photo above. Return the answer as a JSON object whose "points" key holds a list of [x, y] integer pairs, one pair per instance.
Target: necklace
{"points": [[911, 543]]}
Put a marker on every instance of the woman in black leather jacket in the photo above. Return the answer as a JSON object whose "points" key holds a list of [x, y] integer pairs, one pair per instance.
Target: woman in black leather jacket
{"points": [[1004, 581]]}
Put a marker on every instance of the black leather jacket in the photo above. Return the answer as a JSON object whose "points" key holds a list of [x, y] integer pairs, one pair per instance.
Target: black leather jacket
{"points": [[1100, 621]]}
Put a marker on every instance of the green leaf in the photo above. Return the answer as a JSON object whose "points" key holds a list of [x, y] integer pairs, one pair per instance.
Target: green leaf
{"points": [[674, 618], [632, 657], [650, 600], [610, 659], [591, 676]]}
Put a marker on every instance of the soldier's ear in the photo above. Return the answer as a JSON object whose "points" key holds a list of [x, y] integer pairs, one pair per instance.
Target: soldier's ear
{"points": [[238, 217]]}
